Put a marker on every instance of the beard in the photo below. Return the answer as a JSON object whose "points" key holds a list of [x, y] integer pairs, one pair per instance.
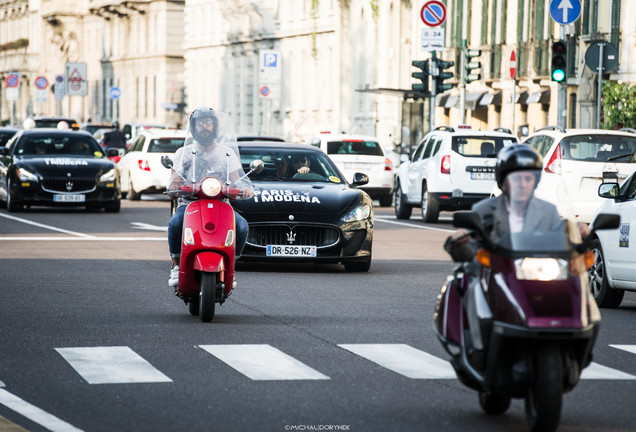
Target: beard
{"points": [[205, 137]]}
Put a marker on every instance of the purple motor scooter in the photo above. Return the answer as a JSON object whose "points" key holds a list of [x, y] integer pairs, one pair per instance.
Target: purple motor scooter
{"points": [[520, 321]]}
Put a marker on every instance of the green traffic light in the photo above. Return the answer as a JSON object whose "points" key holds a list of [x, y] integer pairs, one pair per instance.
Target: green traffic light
{"points": [[558, 75]]}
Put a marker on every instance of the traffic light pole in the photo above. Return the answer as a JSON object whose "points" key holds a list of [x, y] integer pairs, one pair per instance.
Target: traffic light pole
{"points": [[563, 90], [431, 100], [462, 82]]}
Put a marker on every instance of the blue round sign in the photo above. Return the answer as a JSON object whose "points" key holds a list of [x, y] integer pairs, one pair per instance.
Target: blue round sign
{"points": [[433, 13], [565, 11], [264, 91], [114, 92]]}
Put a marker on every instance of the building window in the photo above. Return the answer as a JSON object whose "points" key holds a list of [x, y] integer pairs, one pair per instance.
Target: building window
{"points": [[616, 23]]}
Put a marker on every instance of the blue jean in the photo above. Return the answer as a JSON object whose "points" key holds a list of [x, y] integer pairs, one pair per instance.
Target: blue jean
{"points": [[175, 231]]}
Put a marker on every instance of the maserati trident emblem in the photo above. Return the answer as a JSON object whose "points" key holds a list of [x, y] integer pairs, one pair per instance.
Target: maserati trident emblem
{"points": [[290, 236], [69, 186]]}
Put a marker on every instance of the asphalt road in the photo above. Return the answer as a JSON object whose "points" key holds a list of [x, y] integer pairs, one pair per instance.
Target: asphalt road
{"points": [[82, 288]]}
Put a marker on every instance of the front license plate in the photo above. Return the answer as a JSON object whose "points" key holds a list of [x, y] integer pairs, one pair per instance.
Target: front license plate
{"points": [[291, 251], [69, 198], [482, 176]]}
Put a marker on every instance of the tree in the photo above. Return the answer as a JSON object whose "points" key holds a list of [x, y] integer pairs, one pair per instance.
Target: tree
{"points": [[619, 105]]}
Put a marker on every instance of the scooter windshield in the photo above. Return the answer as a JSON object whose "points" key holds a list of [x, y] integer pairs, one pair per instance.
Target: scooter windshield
{"points": [[209, 151], [527, 225]]}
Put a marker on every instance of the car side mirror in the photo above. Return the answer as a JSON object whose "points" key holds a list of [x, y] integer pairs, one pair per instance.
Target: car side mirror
{"points": [[166, 161], [315, 142], [608, 190], [360, 179], [404, 157]]}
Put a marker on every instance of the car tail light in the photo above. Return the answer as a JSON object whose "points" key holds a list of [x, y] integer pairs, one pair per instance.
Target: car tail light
{"points": [[388, 165], [445, 168], [554, 165], [143, 165]]}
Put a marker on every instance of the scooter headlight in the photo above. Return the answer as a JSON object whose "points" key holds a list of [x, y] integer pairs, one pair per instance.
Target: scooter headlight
{"points": [[543, 269], [211, 187]]}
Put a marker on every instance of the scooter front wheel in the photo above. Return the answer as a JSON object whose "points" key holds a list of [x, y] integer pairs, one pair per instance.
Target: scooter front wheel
{"points": [[545, 395], [494, 404], [207, 296]]}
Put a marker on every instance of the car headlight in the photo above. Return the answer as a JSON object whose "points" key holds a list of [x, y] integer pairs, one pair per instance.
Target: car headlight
{"points": [[108, 177], [25, 175], [543, 269], [359, 213], [211, 187]]}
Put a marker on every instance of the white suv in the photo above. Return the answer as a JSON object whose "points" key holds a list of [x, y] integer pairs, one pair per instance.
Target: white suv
{"points": [[359, 153], [579, 159], [449, 170]]}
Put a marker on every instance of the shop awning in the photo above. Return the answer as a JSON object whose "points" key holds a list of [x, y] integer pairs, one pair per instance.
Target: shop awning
{"points": [[471, 100], [490, 99], [451, 101], [542, 97]]}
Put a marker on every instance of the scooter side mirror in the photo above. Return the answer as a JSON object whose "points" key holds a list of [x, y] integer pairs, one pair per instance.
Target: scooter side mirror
{"points": [[166, 161], [256, 166], [469, 220]]}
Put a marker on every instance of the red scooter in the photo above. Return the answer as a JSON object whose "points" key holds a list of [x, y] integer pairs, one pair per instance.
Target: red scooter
{"points": [[206, 271], [531, 308]]}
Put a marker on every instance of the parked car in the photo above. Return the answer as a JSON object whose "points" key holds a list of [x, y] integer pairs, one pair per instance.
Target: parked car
{"points": [[615, 250], [6, 133], [449, 170], [140, 170], [359, 153], [305, 217], [256, 137], [54, 167], [577, 158], [131, 130], [91, 128]]}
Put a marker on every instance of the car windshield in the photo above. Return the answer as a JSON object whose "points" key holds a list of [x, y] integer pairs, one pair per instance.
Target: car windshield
{"points": [[165, 145], [58, 145], [281, 165], [357, 147], [599, 148], [480, 146]]}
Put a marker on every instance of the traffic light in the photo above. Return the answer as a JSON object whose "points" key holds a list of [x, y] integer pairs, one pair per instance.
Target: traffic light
{"points": [[559, 61], [421, 88], [442, 65], [471, 64]]}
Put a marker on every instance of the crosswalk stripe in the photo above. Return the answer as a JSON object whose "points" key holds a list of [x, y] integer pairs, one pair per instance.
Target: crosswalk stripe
{"points": [[628, 348], [35, 414], [111, 365], [597, 371], [404, 359], [263, 362]]}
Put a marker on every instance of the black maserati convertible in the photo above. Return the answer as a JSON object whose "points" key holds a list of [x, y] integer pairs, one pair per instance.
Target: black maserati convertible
{"points": [[304, 209], [54, 167]]}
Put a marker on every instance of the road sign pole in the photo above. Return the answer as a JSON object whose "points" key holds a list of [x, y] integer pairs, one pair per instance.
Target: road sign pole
{"points": [[600, 85]]}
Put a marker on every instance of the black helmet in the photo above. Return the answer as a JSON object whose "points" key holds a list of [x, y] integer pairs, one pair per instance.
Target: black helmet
{"points": [[199, 113], [517, 157]]}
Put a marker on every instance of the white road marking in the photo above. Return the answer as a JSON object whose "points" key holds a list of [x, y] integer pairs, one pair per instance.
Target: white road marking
{"points": [[145, 226], [35, 414], [597, 371], [263, 362], [111, 365], [404, 359], [628, 348], [49, 227], [394, 222]]}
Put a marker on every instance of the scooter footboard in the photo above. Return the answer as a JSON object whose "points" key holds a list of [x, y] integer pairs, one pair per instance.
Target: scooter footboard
{"points": [[209, 262]]}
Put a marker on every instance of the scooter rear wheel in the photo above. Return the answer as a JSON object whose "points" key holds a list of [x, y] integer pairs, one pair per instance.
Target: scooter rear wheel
{"points": [[545, 395], [207, 296]]}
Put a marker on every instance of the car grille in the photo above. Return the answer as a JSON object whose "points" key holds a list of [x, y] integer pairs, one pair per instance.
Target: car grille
{"points": [[320, 236], [69, 184]]}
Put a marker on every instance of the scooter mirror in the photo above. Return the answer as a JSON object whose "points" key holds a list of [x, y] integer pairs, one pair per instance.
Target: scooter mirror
{"points": [[256, 166], [604, 221], [469, 220], [166, 161]]}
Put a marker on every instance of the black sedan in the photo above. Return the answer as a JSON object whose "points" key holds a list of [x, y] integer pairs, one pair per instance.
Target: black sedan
{"points": [[304, 209], [53, 167]]}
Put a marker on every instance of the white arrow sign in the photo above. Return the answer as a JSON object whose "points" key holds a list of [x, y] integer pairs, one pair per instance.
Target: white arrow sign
{"points": [[565, 6]]}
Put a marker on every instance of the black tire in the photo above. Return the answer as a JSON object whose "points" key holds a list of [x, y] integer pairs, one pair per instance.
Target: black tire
{"points": [[430, 208], [386, 200], [207, 296], [545, 394], [132, 194], [605, 296], [494, 404], [12, 206], [113, 207], [358, 266], [193, 306], [402, 209]]}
